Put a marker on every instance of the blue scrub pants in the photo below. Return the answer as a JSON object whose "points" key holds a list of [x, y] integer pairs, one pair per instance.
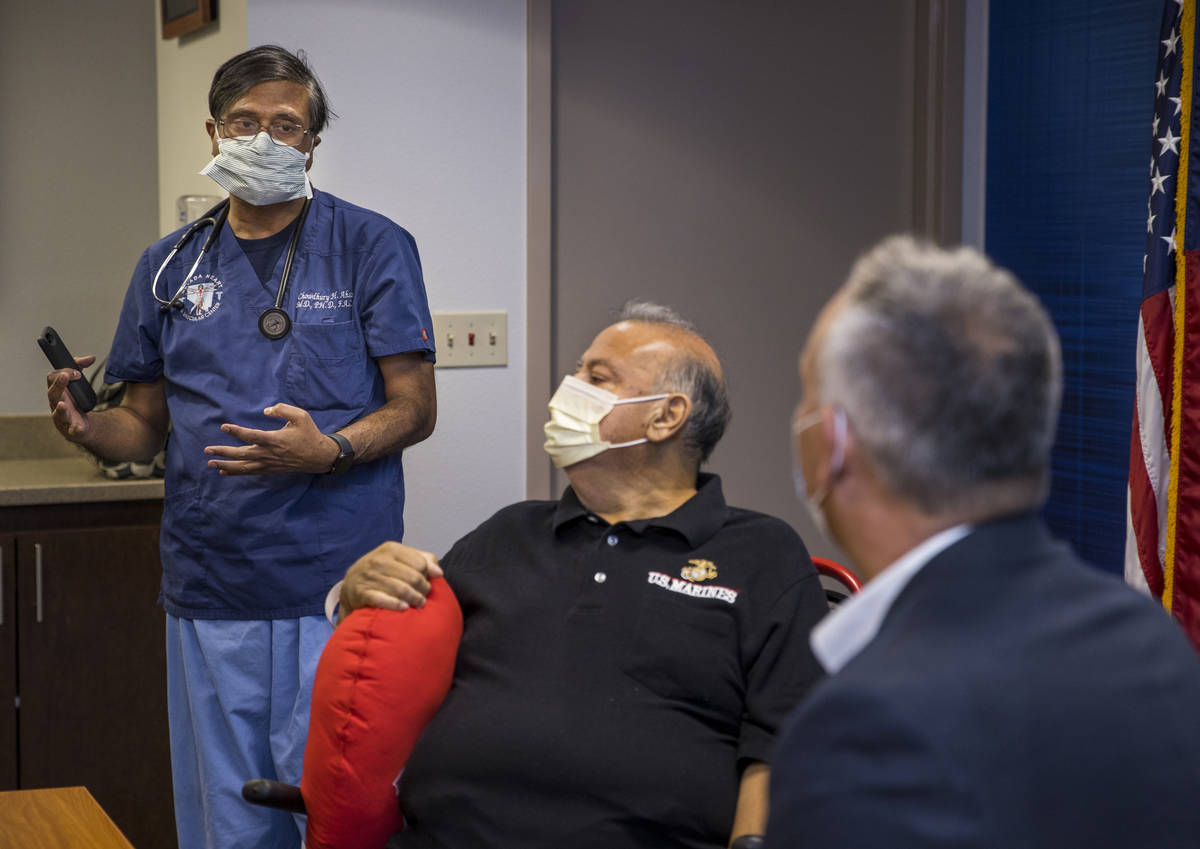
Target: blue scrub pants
{"points": [[238, 695]]}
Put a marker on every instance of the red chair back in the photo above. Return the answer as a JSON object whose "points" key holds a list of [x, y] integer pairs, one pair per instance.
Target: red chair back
{"points": [[840, 583]]}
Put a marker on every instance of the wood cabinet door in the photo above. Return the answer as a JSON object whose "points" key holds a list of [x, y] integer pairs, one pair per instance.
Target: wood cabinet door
{"points": [[92, 673], [8, 663]]}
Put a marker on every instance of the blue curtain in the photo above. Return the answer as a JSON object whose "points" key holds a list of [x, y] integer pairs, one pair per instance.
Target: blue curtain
{"points": [[1070, 100]]}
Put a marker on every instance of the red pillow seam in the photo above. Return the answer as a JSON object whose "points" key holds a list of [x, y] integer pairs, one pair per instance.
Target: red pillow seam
{"points": [[343, 732]]}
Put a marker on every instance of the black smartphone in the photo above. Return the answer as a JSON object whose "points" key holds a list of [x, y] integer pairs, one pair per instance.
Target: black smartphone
{"points": [[58, 355]]}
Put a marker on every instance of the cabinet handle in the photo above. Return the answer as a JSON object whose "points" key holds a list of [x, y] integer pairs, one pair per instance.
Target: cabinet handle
{"points": [[37, 560]]}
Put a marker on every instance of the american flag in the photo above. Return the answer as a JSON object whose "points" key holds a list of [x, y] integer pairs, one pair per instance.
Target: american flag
{"points": [[1162, 549]]}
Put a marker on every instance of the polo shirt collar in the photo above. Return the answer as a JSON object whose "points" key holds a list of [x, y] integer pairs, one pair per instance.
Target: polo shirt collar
{"points": [[847, 630], [697, 520]]}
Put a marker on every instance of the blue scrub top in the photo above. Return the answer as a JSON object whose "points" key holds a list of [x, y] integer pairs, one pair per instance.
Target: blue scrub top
{"points": [[270, 546]]}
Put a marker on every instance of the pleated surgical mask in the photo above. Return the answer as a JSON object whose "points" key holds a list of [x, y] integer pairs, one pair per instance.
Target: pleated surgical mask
{"points": [[815, 503], [576, 410], [259, 170]]}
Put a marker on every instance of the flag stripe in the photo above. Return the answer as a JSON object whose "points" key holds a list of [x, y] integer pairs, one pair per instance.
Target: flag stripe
{"points": [[1185, 574], [1144, 517], [1148, 461], [1133, 564], [1156, 348]]}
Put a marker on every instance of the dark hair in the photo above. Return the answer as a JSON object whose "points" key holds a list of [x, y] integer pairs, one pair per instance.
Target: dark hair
{"points": [[263, 64], [691, 375]]}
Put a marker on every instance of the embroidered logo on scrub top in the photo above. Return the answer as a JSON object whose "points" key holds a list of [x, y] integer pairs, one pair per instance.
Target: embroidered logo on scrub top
{"points": [[699, 570], [203, 297], [685, 587]]}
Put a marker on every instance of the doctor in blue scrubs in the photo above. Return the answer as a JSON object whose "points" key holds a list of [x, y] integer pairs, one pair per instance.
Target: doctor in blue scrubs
{"points": [[292, 362]]}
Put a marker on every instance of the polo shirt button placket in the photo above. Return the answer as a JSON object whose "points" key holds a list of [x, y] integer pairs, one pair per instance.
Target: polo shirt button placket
{"points": [[601, 577]]}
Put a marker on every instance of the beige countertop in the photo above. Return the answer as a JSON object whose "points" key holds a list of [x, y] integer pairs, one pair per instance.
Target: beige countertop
{"points": [[37, 466]]}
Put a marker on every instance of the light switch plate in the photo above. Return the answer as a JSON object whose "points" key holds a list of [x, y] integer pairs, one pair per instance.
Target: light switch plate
{"points": [[471, 338]]}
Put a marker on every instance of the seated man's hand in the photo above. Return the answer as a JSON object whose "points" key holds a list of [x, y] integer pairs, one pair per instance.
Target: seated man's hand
{"points": [[392, 576]]}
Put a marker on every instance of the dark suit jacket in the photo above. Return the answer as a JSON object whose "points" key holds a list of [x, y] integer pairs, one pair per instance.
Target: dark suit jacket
{"points": [[1013, 697]]}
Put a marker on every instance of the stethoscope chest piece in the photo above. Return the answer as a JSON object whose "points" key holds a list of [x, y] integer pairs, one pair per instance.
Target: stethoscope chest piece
{"points": [[274, 323]]}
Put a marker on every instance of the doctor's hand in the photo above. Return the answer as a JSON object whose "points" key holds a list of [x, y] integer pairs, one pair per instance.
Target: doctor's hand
{"points": [[70, 422], [392, 576], [298, 446]]}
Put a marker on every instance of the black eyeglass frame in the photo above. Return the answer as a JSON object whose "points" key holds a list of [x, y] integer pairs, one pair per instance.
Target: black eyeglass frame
{"points": [[259, 128]]}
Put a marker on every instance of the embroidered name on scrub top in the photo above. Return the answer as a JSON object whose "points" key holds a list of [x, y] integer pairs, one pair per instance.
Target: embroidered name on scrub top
{"points": [[325, 302], [679, 585]]}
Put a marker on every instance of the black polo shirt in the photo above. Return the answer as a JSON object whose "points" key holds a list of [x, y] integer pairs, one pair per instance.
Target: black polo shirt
{"points": [[612, 680]]}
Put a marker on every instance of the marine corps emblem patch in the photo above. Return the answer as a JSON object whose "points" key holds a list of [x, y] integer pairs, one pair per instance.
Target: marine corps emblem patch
{"points": [[699, 570]]}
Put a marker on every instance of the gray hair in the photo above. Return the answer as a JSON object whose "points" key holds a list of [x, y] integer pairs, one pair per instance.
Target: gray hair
{"points": [[692, 376], [949, 371], [268, 63]]}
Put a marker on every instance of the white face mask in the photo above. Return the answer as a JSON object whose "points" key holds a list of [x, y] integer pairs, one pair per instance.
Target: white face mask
{"points": [[259, 170], [815, 503], [576, 410]]}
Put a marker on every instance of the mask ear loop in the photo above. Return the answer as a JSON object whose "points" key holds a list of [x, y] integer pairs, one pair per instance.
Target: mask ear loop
{"points": [[637, 400], [838, 459], [641, 398]]}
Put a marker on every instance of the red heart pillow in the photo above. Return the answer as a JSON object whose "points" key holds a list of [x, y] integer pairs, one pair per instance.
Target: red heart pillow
{"points": [[380, 679]]}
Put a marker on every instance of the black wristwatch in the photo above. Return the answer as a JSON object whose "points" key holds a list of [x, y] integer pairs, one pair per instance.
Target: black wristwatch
{"points": [[345, 457]]}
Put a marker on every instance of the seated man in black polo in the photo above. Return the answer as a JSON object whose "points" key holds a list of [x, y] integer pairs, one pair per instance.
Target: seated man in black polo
{"points": [[628, 651]]}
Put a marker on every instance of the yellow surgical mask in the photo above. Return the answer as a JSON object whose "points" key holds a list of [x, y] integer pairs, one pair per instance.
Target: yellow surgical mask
{"points": [[576, 410]]}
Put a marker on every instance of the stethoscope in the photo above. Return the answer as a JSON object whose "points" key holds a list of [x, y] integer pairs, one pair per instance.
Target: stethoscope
{"points": [[274, 323]]}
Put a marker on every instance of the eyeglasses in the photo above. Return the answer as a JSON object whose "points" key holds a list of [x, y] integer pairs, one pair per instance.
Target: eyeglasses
{"points": [[284, 132]]}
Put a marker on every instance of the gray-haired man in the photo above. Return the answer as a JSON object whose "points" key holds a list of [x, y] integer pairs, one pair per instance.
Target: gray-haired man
{"points": [[987, 688], [628, 650]]}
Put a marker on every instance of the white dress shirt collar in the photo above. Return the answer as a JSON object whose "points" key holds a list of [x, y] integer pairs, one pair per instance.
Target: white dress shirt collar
{"points": [[847, 630]]}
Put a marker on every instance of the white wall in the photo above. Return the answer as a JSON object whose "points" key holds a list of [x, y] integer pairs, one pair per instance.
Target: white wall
{"points": [[431, 132]]}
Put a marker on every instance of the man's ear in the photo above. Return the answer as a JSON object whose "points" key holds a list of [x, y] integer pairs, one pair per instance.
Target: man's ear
{"points": [[311, 150], [840, 437], [210, 127], [670, 414]]}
